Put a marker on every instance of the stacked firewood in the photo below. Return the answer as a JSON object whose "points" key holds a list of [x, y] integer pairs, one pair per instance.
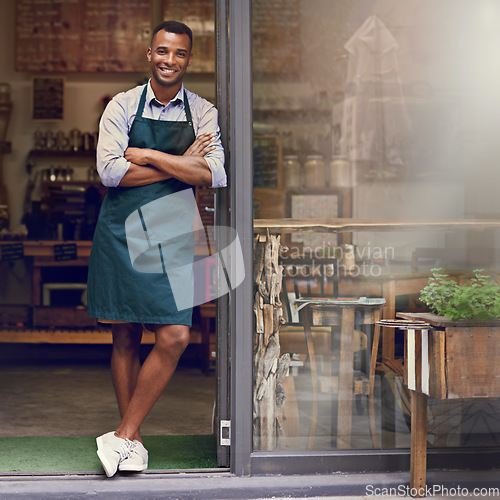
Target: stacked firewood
{"points": [[270, 368]]}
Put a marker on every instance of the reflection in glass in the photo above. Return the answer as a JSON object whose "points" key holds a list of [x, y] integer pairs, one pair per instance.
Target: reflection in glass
{"points": [[391, 109]]}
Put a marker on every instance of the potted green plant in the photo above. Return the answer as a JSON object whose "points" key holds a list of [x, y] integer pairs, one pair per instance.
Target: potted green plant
{"points": [[464, 337], [478, 299]]}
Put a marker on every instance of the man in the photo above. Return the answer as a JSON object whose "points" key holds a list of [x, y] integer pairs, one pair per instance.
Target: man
{"points": [[154, 140]]}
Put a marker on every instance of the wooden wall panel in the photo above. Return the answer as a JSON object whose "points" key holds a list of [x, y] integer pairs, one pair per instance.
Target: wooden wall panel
{"points": [[82, 35]]}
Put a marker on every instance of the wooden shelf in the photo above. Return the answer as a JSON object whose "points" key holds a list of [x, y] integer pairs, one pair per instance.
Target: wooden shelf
{"points": [[59, 336], [75, 336], [295, 115], [40, 154]]}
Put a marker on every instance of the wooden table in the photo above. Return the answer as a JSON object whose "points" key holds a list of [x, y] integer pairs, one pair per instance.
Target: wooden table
{"points": [[280, 226], [450, 360], [331, 313]]}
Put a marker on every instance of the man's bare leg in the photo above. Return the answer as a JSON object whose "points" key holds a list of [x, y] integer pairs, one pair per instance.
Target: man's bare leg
{"points": [[156, 372], [125, 363]]}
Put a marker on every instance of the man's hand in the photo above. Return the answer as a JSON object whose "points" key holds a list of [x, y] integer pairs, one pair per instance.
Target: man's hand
{"points": [[137, 155], [201, 145]]}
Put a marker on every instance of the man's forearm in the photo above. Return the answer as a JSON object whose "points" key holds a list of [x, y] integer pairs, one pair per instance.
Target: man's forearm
{"points": [[193, 170], [142, 175]]}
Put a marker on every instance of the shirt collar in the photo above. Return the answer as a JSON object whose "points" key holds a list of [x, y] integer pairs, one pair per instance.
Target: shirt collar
{"points": [[151, 98]]}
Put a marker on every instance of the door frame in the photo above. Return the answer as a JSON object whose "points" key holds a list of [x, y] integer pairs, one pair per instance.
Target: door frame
{"points": [[222, 219], [241, 180]]}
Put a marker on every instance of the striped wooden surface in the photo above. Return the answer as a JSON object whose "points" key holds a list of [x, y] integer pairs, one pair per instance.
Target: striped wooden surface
{"points": [[73, 336], [332, 225]]}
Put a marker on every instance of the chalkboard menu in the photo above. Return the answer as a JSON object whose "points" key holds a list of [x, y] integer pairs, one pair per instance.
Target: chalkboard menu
{"points": [[12, 251], [48, 98], [267, 161], [82, 35], [276, 36]]}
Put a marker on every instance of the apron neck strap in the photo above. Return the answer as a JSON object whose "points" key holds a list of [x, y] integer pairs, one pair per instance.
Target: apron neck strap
{"points": [[187, 109], [142, 102], [140, 108]]}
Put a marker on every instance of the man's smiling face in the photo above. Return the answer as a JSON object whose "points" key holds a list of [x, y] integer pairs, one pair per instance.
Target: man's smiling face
{"points": [[170, 56]]}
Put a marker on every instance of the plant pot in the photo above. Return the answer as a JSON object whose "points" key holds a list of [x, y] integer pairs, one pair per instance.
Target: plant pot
{"points": [[463, 357]]}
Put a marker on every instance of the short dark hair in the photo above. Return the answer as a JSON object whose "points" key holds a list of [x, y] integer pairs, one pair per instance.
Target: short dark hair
{"points": [[174, 27]]}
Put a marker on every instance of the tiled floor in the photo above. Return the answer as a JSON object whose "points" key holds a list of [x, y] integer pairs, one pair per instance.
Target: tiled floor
{"points": [[70, 393]]}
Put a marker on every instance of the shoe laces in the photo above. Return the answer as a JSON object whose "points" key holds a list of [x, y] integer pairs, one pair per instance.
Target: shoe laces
{"points": [[126, 449], [134, 447]]}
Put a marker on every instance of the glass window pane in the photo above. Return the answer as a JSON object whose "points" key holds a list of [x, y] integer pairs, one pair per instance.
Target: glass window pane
{"points": [[376, 112]]}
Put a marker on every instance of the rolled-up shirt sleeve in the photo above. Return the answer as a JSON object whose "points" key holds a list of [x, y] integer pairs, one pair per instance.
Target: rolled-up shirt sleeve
{"points": [[113, 141], [208, 123]]}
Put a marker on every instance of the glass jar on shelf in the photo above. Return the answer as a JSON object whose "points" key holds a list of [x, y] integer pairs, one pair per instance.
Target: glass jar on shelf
{"points": [[314, 171], [340, 172], [292, 171]]}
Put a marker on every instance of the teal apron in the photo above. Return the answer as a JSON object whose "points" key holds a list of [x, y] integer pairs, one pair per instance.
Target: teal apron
{"points": [[115, 290]]}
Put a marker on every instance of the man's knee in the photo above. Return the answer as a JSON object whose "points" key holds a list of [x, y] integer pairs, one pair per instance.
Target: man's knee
{"points": [[172, 338], [127, 337]]}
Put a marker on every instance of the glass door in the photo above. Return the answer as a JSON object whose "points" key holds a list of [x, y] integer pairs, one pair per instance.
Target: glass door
{"points": [[355, 111]]}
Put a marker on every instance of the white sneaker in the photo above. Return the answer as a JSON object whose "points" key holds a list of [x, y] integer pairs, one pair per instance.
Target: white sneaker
{"points": [[138, 459], [111, 450]]}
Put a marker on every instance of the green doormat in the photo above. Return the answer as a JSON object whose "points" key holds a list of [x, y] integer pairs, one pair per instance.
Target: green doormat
{"points": [[61, 454]]}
